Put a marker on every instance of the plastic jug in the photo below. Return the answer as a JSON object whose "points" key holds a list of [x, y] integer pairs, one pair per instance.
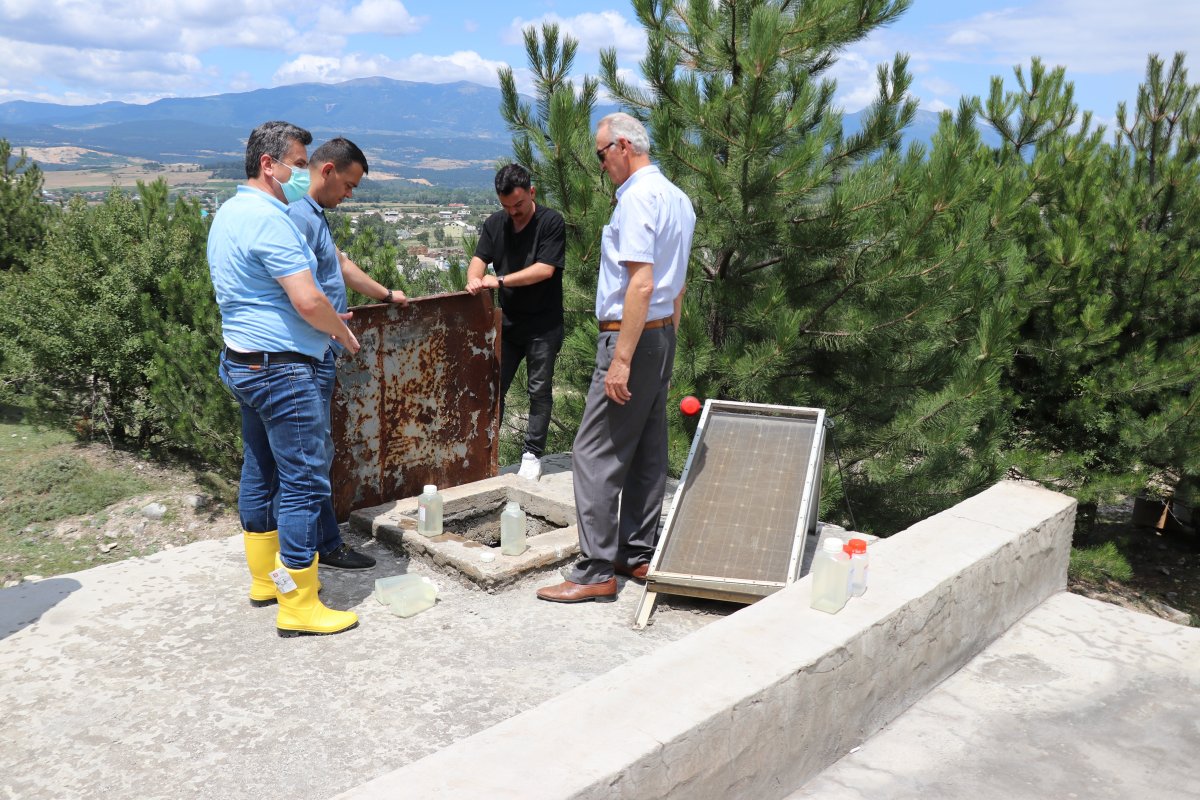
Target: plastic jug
{"points": [[406, 595], [830, 577], [429, 512], [512, 530], [858, 567]]}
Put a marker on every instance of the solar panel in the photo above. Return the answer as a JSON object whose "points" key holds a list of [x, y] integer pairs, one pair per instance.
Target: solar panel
{"points": [[747, 498]]}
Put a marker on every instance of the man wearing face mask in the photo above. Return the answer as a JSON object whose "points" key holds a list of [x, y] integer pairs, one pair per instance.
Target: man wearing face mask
{"points": [[335, 170], [277, 324]]}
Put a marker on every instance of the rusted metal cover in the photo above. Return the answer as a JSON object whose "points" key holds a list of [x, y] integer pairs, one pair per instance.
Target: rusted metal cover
{"points": [[420, 401]]}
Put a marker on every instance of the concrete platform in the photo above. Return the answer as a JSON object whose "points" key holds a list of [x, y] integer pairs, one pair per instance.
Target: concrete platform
{"points": [[1080, 699], [155, 678]]}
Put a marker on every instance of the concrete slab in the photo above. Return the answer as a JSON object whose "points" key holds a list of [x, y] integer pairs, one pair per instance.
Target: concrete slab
{"points": [[1080, 699], [752, 706], [155, 678]]}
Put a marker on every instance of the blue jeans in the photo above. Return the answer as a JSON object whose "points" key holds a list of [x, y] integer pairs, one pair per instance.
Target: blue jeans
{"points": [[539, 352], [329, 535], [284, 478]]}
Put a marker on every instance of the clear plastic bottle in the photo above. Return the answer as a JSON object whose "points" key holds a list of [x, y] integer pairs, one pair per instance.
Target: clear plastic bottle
{"points": [[830, 576], [406, 595], [858, 567], [429, 512], [512, 529]]}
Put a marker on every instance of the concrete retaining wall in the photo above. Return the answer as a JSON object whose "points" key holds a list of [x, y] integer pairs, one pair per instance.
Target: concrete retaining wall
{"points": [[754, 705]]}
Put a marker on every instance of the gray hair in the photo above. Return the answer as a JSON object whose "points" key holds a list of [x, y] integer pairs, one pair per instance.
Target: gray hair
{"points": [[272, 139], [622, 126]]}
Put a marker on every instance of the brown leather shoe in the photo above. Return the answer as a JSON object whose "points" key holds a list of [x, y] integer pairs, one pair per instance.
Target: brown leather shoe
{"points": [[569, 592], [637, 572]]}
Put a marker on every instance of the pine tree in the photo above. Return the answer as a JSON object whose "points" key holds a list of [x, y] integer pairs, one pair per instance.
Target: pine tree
{"points": [[832, 270], [24, 218], [1106, 370]]}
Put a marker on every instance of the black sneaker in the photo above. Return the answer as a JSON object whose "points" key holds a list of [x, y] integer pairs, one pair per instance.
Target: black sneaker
{"points": [[346, 558]]}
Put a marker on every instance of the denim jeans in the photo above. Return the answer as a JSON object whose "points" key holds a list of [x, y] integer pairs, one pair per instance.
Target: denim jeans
{"points": [[284, 478], [539, 352], [329, 536]]}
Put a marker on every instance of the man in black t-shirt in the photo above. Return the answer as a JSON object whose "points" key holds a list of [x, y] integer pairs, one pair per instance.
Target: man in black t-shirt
{"points": [[526, 246]]}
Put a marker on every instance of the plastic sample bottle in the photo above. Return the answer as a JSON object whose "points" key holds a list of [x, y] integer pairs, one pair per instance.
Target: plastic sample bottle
{"points": [[429, 512], [512, 529], [858, 567], [406, 595], [830, 576]]}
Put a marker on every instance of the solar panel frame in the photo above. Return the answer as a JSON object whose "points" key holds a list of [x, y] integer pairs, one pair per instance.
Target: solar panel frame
{"points": [[757, 478]]}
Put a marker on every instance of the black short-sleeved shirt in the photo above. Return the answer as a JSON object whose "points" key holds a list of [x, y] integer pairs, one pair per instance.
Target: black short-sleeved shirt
{"points": [[539, 307]]}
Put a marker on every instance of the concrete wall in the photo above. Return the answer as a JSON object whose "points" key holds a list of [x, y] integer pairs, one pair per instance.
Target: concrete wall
{"points": [[758, 703]]}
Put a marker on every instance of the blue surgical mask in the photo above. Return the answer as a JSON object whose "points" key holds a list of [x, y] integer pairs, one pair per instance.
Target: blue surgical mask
{"points": [[297, 185]]}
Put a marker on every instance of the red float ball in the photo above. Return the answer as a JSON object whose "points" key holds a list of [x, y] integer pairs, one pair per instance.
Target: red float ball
{"points": [[690, 406]]}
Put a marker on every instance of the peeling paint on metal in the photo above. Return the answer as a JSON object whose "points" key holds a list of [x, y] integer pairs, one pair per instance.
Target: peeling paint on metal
{"points": [[419, 403]]}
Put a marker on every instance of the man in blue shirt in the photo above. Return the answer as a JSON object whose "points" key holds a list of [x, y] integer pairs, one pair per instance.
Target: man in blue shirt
{"points": [[335, 170], [277, 324], [619, 459]]}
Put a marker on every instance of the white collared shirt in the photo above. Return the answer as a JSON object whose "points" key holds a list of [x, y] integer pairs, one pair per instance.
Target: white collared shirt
{"points": [[652, 223]]}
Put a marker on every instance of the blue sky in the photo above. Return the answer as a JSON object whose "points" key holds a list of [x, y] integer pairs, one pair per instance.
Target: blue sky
{"points": [[85, 51]]}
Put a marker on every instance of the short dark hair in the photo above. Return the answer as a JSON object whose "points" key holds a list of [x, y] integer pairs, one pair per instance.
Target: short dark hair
{"points": [[341, 153], [512, 177], [272, 139]]}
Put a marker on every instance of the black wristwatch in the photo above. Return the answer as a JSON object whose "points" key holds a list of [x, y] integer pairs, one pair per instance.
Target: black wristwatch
{"points": [[500, 281], [388, 297]]}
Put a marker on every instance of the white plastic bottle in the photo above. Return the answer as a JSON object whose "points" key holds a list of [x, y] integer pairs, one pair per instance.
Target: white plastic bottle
{"points": [[429, 512], [830, 576], [858, 567], [512, 529]]}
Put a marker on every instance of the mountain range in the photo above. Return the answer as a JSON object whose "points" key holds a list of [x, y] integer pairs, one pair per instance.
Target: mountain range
{"points": [[450, 134]]}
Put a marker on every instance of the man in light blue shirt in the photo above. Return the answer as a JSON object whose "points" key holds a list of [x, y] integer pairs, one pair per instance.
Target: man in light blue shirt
{"points": [[335, 170], [277, 325], [619, 459]]}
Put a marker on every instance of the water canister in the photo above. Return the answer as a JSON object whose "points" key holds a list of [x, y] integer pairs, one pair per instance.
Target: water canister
{"points": [[429, 512], [406, 595], [830, 576], [512, 529]]}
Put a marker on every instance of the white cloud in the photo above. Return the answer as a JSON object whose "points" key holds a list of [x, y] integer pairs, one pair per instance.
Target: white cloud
{"points": [[966, 36], [595, 31], [465, 65], [161, 25], [93, 72], [941, 87], [1086, 36], [383, 17]]}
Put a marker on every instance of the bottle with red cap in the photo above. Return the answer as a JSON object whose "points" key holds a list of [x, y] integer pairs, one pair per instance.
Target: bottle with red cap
{"points": [[856, 550]]}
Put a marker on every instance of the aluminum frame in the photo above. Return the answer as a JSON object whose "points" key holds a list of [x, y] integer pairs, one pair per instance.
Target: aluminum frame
{"points": [[721, 587]]}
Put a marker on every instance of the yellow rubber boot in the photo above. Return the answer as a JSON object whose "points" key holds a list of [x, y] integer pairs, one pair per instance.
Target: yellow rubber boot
{"points": [[301, 613], [260, 557]]}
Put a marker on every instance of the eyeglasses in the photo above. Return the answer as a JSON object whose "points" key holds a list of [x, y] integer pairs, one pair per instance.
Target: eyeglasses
{"points": [[602, 152]]}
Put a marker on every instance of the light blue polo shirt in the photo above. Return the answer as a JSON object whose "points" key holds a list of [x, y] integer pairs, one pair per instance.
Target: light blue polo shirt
{"points": [[652, 223], [251, 244], [310, 219]]}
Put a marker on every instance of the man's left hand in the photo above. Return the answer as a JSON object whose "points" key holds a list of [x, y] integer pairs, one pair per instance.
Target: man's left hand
{"points": [[616, 382], [399, 297]]}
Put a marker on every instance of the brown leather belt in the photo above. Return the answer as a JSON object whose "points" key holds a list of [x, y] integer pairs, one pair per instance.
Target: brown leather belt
{"points": [[615, 324]]}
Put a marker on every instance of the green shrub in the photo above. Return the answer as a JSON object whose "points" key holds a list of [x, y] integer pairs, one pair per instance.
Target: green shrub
{"points": [[1098, 563]]}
